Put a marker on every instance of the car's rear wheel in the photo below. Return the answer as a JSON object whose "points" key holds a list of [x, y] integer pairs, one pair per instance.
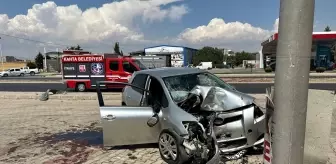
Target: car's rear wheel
{"points": [[80, 87], [171, 149], [32, 73], [21, 74]]}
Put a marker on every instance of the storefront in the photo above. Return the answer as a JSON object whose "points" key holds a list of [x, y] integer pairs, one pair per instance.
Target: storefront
{"points": [[322, 53]]}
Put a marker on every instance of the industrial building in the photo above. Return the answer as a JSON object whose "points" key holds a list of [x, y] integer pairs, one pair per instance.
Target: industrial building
{"points": [[322, 53], [165, 56]]}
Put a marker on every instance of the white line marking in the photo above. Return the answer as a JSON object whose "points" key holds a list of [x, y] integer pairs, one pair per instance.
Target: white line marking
{"points": [[97, 75]]}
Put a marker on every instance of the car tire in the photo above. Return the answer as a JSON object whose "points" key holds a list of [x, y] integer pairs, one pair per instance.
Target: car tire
{"points": [[32, 73], [170, 141], [21, 74], [80, 87], [5, 75]]}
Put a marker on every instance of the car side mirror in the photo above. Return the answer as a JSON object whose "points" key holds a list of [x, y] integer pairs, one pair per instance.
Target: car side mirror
{"points": [[153, 120]]}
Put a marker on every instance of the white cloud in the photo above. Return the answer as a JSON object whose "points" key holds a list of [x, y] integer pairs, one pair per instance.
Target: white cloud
{"points": [[71, 25], [96, 29], [276, 25], [229, 35]]}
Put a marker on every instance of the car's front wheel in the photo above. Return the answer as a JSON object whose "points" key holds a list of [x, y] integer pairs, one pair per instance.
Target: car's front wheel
{"points": [[171, 149], [81, 87], [5, 75]]}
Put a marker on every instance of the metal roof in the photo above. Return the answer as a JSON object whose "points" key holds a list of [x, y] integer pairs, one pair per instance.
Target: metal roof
{"points": [[171, 46], [170, 71]]}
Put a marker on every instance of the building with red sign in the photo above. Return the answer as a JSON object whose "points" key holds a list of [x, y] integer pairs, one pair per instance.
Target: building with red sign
{"points": [[322, 53]]}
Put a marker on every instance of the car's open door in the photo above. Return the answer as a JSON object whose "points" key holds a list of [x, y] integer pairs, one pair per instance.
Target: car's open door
{"points": [[124, 125]]}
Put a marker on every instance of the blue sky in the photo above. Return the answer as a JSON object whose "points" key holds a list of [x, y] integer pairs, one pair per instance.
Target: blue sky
{"points": [[258, 13]]}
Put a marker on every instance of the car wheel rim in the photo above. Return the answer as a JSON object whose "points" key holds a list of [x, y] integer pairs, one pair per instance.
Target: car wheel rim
{"points": [[168, 146], [81, 87]]}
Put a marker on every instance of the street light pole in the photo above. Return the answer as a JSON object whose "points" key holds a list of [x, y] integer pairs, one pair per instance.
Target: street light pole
{"points": [[291, 80]]}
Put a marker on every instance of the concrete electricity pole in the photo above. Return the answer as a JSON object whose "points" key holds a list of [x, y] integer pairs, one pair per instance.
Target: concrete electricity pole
{"points": [[1, 56], [291, 80]]}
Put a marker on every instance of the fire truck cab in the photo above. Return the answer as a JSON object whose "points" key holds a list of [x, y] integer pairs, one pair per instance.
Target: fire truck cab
{"points": [[81, 72]]}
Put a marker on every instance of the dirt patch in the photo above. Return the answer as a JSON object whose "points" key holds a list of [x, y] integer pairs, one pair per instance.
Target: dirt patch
{"points": [[71, 146]]}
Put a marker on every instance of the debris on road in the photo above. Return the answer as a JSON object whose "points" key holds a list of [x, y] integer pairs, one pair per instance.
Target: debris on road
{"points": [[45, 96]]}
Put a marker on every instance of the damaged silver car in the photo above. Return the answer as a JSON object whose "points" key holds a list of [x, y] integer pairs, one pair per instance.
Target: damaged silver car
{"points": [[193, 115]]}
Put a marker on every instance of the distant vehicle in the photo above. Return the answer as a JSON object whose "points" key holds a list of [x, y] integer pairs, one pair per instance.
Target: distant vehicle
{"points": [[12, 72], [204, 65], [81, 72], [30, 71]]}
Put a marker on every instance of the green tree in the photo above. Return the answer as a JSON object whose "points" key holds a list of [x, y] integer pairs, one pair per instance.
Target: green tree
{"points": [[31, 65], [208, 54], [75, 48], [240, 56], [78, 47], [117, 48], [327, 29], [39, 60]]}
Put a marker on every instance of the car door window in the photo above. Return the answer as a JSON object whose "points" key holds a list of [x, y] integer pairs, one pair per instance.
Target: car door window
{"points": [[11, 70], [139, 81], [114, 65], [128, 67], [157, 93], [17, 70]]}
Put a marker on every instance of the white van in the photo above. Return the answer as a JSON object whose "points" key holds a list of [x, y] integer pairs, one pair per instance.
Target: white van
{"points": [[204, 65]]}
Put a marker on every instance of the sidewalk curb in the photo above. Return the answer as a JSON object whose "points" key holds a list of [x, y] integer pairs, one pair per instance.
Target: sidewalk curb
{"points": [[36, 96], [312, 75]]}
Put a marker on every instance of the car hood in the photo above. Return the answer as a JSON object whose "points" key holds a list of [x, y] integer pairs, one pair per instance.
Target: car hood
{"points": [[219, 99]]}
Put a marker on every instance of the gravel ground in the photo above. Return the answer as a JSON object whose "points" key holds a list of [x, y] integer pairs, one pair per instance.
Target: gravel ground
{"points": [[56, 131]]}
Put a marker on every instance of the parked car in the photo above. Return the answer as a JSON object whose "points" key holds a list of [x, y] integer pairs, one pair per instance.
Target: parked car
{"points": [[191, 113], [12, 72], [30, 71]]}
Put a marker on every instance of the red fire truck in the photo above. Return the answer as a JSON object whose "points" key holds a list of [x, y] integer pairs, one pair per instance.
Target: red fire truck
{"points": [[81, 72]]}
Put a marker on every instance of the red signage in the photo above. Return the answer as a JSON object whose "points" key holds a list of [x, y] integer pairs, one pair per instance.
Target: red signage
{"points": [[79, 59], [82, 68]]}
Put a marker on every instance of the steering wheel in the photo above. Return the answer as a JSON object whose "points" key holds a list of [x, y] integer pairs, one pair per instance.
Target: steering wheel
{"points": [[190, 102]]}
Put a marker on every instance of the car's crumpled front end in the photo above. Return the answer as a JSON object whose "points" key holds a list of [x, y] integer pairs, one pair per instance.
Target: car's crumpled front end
{"points": [[239, 122]]}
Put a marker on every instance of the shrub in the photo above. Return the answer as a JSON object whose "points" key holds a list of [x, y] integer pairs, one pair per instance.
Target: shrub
{"points": [[268, 69], [31, 65], [218, 65], [320, 69]]}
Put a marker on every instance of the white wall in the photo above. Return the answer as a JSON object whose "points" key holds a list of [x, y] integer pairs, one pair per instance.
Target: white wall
{"points": [[177, 56]]}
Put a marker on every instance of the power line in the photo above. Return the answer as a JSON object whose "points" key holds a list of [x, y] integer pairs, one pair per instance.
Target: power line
{"points": [[32, 40], [48, 43]]}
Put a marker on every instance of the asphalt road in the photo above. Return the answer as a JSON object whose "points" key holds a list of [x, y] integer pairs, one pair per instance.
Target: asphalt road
{"points": [[35, 78], [253, 88]]}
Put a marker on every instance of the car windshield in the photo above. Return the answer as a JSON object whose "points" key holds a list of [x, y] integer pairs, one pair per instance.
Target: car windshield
{"points": [[180, 86], [140, 65]]}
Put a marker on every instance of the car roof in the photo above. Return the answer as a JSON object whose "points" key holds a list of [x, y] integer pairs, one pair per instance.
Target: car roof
{"points": [[169, 71]]}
